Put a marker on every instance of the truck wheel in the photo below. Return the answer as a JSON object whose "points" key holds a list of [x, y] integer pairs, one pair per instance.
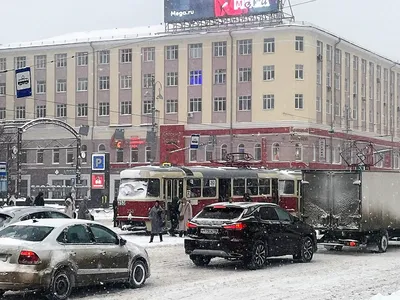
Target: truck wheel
{"points": [[258, 256], [200, 260], [306, 250], [383, 242]]}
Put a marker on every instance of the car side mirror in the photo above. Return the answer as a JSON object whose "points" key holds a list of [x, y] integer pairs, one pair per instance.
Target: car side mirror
{"points": [[122, 242]]}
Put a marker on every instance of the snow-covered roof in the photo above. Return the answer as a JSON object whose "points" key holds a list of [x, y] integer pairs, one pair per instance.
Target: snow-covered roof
{"points": [[92, 36]]}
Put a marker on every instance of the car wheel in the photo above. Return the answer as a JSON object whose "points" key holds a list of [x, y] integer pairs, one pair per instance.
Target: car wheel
{"points": [[200, 260], [383, 242], [61, 285], [306, 251], [138, 274], [258, 256]]}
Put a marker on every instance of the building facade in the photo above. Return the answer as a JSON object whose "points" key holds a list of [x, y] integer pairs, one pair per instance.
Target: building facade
{"points": [[290, 95]]}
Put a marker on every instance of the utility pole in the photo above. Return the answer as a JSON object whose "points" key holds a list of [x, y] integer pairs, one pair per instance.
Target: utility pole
{"points": [[152, 135]]}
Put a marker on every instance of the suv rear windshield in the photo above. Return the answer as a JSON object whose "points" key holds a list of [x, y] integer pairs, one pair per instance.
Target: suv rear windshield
{"points": [[26, 233], [224, 213], [4, 219]]}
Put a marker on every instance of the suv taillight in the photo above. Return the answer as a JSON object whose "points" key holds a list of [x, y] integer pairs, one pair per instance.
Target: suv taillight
{"points": [[236, 226], [28, 258], [191, 225]]}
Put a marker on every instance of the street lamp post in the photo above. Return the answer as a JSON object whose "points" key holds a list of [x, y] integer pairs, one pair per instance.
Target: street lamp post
{"points": [[152, 135]]}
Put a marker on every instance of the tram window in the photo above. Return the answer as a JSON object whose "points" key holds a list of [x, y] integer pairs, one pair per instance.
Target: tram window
{"points": [[264, 185], [193, 188], [209, 187], [153, 189], [288, 187], [239, 187], [252, 186]]}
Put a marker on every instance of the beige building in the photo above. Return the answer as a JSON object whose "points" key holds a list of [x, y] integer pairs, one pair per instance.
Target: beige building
{"points": [[289, 76]]}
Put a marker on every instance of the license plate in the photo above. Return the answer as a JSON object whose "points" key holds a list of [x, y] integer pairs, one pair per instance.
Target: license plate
{"points": [[209, 231]]}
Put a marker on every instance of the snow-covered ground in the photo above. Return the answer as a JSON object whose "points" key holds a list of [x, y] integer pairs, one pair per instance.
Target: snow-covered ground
{"points": [[394, 296]]}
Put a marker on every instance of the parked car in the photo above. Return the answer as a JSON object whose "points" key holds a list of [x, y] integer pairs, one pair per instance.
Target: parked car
{"points": [[54, 256], [12, 214], [250, 232]]}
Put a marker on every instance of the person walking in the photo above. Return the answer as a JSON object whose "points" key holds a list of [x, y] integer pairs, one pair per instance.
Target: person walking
{"points": [[185, 214], [156, 217], [69, 206], [174, 215], [39, 200], [83, 212], [28, 201], [115, 211]]}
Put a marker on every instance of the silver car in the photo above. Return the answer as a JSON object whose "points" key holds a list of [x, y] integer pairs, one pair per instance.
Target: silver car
{"points": [[56, 255], [13, 214]]}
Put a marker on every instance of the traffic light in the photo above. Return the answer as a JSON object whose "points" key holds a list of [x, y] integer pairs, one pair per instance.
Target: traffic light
{"points": [[119, 144]]}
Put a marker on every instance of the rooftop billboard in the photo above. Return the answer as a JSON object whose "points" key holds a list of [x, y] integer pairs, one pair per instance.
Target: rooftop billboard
{"points": [[176, 11]]}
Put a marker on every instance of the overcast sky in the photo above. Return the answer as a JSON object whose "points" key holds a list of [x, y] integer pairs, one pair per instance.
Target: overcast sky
{"points": [[370, 23]]}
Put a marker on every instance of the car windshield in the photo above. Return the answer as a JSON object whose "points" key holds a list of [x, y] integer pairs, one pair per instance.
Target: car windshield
{"points": [[4, 220], [224, 213], [26, 232]]}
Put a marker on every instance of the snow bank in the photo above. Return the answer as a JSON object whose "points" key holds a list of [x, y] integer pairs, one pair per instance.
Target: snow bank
{"points": [[143, 240], [393, 296], [102, 214]]}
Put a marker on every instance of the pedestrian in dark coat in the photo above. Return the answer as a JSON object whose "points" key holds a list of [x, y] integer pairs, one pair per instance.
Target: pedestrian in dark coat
{"points": [[39, 200], [156, 217], [115, 211], [83, 212], [174, 215], [28, 201]]}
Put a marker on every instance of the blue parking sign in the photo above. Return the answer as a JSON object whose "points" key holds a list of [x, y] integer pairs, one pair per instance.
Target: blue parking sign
{"points": [[98, 162], [23, 82]]}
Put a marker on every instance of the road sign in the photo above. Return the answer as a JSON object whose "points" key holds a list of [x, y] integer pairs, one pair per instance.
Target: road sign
{"points": [[3, 169], [23, 82], [98, 162], [98, 181], [194, 141]]}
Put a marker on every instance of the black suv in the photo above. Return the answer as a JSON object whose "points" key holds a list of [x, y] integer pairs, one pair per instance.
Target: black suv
{"points": [[250, 232]]}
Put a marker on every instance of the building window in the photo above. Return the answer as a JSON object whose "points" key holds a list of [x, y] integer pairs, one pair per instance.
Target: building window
{"points": [[220, 76], [147, 106], [241, 150], [257, 152], [70, 156], [328, 52], [40, 156], [40, 61], [119, 155], [268, 73], [172, 52], [134, 155], [82, 110], [84, 150], [101, 148], [299, 72], [3, 113], [56, 155], [364, 66], [298, 101], [195, 77], [41, 111], [275, 152], [104, 57], [245, 47], [104, 82], [126, 82], [209, 153], [148, 80], [20, 112], [172, 106], [20, 62], [148, 154], [219, 49], [3, 64], [61, 86], [3, 89], [195, 50], [125, 56], [338, 56], [82, 85], [193, 155], [40, 87], [126, 108], [269, 45], [220, 104], [268, 102], [244, 74], [355, 63], [224, 152], [328, 79], [347, 60], [244, 103], [149, 54], [24, 156], [82, 59], [104, 109], [195, 105], [172, 79], [337, 81], [318, 104], [319, 76], [298, 152], [320, 47], [61, 110], [346, 84], [328, 106], [61, 60], [299, 43]]}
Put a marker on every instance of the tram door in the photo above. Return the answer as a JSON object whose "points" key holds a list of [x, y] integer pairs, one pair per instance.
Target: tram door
{"points": [[172, 188], [275, 190]]}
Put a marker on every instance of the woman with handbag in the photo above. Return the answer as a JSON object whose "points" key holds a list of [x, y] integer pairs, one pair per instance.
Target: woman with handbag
{"points": [[156, 217], [185, 213]]}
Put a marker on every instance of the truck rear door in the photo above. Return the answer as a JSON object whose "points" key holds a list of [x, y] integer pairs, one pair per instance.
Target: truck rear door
{"points": [[331, 199]]}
